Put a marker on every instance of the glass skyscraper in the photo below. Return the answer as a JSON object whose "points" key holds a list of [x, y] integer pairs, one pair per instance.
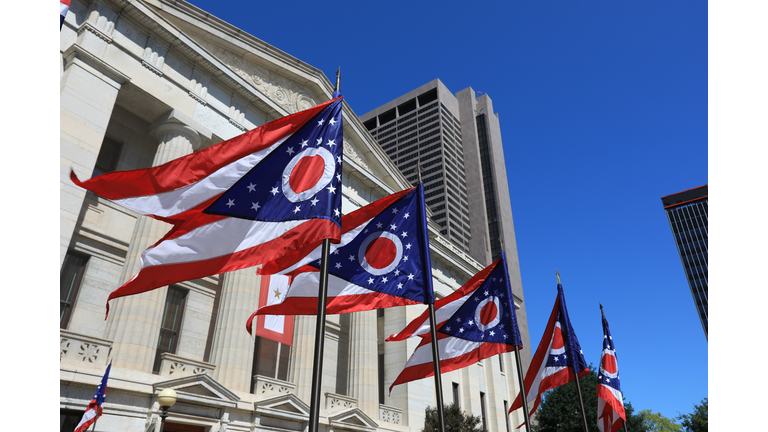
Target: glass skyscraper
{"points": [[687, 214]]}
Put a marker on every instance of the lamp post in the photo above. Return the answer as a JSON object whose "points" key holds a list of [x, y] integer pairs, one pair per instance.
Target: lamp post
{"points": [[166, 399]]}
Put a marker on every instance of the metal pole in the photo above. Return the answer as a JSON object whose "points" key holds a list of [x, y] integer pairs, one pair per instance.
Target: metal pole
{"points": [[317, 370], [581, 400], [162, 418], [625, 425], [526, 415], [436, 366]]}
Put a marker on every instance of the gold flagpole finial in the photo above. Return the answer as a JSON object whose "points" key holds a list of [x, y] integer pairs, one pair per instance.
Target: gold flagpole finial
{"points": [[558, 277]]}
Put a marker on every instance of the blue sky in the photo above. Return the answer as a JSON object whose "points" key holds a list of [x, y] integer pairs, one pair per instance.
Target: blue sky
{"points": [[603, 110]]}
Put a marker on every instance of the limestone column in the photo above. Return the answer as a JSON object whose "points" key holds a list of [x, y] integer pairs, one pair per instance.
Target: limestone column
{"points": [[89, 89], [363, 376], [302, 355], [134, 321], [232, 351]]}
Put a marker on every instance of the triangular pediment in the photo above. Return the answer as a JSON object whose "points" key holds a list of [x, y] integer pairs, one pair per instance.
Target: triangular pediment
{"points": [[200, 389], [287, 406], [354, 419], [283, 85]]}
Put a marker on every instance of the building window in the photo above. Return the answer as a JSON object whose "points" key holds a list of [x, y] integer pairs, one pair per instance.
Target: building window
{"points": [[506, 414], [482, 411], [70, 277], [108, 157], [270, 359], [456, 395], [170, 327], [68, 419], [381, 378], [501, 364]]}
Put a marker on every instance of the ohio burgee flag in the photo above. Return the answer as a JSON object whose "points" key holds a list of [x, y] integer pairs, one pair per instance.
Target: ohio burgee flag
{"points": [[382, 261], [94, 410], [610, 402], [269, 192], [475, 322], [556, 358]]}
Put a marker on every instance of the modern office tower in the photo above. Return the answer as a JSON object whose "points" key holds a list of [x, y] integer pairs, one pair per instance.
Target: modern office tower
{"points": [[687, 214], [457, 141]]}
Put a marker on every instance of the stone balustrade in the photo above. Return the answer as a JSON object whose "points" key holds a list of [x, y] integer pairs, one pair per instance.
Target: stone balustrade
{"points": [[390, 414], [174, 366], [83, 350], [335, 403], [267, 388]]}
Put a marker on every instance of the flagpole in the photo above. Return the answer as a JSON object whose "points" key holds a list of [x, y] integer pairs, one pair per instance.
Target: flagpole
{"points": [[520, 378], [435, 353], [322, 299], [578, 386], [623, 421]]}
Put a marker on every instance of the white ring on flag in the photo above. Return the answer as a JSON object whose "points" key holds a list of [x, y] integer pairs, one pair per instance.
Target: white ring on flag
{"points": [[364, 246], [328, 171], [495, 321]]}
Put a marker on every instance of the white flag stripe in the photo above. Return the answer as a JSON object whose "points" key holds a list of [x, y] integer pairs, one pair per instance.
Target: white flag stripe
{"points": [[220, 238], [277, 284], [88, 415], [448, 348], [443, 313], [305, 285], [187, 197], [533, 392], [317, 253]]}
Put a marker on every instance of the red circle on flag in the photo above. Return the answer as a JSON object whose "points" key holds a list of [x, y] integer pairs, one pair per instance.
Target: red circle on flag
{"points": [[488, 313], [307, 172], [380, 253], [557, 340], [609, 363]]}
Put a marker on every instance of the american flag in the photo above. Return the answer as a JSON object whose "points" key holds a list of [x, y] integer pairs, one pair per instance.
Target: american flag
{"points": [[94, 410]]}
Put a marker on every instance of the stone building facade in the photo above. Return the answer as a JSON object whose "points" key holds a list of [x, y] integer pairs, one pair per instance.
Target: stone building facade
{"points": [[144, 82]]}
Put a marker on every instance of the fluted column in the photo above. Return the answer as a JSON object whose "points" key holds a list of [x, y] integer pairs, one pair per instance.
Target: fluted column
{"points": [[232, 351], [134, 321], [302, 356], [363, 376]]}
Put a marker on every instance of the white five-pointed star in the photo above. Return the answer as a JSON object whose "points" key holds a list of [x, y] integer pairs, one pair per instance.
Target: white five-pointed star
{"points": [[335, 251], [407, 215], [379, 224], [290, 151], [332, 189], [304, 143], [491, 333], [336, 212], [331, 143], [338, 159], [297, 209], [505, 336], [448, 328], [319, 140], [397, 272], [338, 176], [486, 292], [556, 358], [370, 281], [351, 257], [230, 203], [410, 276], [404, 234], [461, 330], [332, 122], [458, 319], [251, 187], [338, 265], [314, 201], [320, 123], [405, 258], [394, 210], [384, 280], [400, 286], [255, 206], [470, 322], [408, 246], [393, 226], [274, 191]]}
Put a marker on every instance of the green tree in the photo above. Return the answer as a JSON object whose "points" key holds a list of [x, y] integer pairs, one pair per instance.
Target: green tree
{"points": [[560, 410], [456, 420], [658, 423], [698, 419]]}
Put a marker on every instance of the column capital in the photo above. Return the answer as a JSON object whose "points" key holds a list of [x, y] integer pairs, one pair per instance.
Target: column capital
{"points": [[178, 123]]}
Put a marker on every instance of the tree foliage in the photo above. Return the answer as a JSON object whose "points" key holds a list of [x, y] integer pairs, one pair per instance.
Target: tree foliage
{"points": [[698, 419], [456, 420], [560, 410], [656, 422]]}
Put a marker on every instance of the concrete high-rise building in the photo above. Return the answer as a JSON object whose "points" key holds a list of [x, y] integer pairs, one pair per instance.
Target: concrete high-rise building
{"points": [[687, 214], [457, 141]]}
